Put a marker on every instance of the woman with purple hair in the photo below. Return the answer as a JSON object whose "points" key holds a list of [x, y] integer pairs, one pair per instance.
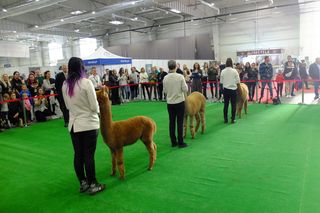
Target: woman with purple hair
{"points": [[81, 101]]}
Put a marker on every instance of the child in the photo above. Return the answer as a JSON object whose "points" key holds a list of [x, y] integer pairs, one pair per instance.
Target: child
{"points": [[15, 111], [41, 111], [279, 80], [24, 89], [27, 106], [5, 111]]}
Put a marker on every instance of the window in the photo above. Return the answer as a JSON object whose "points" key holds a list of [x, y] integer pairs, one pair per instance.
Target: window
{"points": [[55, 53], [87, 46]]}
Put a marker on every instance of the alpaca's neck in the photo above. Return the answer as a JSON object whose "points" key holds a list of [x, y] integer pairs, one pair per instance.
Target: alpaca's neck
{"points": [[106, 119]]}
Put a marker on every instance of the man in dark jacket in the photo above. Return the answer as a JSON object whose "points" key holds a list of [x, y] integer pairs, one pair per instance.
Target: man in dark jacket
{"points": [[160, 78], [266, 74], [60, 78], [179, 71], [303, 73], [314, 71]]}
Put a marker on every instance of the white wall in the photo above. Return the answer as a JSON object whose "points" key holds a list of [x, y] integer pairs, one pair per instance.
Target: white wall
{"points": [[279, 28], [273, 30]]}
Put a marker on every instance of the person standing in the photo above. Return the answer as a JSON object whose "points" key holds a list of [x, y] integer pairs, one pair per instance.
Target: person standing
{"points": [[144, 81], [174, 85], [204, 79], [160, 77], [231, 81], [266, 74], [212, 77], [290, 73], [252, 78], [60, 78], [48, 86], [95, 78], [16, 81], [134, 83], [179, 71], [114, 84], [196, 78], [81, 100], [303, 73], [279, 80], [314, 72]]}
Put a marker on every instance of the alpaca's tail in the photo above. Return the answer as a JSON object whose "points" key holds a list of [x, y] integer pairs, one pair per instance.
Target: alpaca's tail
{"points": [[154, 126]]}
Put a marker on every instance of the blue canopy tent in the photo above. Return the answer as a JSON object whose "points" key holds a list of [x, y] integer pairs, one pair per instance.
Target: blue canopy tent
{"points": [[102, 57]]}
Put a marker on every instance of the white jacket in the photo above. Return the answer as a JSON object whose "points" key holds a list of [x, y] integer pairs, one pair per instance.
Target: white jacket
{"points": [[83, 106]]}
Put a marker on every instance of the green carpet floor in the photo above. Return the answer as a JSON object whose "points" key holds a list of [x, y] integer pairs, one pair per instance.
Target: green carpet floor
{"points": [[269, 161]]}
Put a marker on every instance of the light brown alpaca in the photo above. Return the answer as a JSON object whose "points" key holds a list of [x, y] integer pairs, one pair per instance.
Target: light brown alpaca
{"points": [[195, 107], [117, 134], [242, 99]]}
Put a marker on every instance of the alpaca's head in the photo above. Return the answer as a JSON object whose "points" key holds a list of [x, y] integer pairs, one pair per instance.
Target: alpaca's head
{"points": [[103, 96]]}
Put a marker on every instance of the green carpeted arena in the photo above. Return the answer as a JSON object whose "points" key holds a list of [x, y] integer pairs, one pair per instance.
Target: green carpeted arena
{"points": [[269, 161]]}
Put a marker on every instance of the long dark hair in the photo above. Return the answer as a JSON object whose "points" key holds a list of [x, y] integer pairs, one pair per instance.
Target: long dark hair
{"points": [[75, 73], [229, 63]]}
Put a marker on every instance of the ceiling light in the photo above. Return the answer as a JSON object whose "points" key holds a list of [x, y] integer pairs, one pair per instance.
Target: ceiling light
{"points": [[77, 12], [115, 22], [76, 30], [36, 26], [134, 19], [93, 12], [4, 10], [175, 11], [14, 31], [62, 20], [37, 0]]}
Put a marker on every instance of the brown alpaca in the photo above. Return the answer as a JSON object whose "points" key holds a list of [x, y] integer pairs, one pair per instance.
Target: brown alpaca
{"points": [[117, 134], [242, 99], [195, 107]]}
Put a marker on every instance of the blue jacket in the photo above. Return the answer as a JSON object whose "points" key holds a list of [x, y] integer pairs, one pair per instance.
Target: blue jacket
{"points": [[314, 71], [265, 71]]}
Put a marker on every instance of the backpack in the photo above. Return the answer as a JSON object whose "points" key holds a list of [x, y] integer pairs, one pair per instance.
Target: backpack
{"points": [[276, 100]]}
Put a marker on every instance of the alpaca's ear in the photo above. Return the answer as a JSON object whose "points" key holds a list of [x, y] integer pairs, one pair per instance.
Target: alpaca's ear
{"points": [[104, 91]]}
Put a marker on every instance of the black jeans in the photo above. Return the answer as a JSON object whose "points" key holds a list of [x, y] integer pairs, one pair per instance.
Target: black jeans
{"points": [[176, 114], [64, 109], [228, 95], [160, 91], [216, 89], [279, 89], [84, 145], [252, 88], [144, 87]]}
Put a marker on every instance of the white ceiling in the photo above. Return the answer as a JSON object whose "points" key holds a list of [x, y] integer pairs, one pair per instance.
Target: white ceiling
{"points": [[19, 18]]}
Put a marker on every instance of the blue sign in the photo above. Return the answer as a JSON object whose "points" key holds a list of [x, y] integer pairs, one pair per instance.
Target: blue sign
{"points": [[107, 61]]}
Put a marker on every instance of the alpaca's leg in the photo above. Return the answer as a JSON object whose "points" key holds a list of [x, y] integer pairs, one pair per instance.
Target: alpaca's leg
{"points": [[185, 123], [114, 165], [155, 151], [203, 121], [240, 108], [152, 149], [198, 121], [246, 106], [191, 126], [120, 163]]}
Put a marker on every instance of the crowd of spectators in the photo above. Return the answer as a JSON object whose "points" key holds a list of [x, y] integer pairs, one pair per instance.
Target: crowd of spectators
{"points": [[38, 90]]}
